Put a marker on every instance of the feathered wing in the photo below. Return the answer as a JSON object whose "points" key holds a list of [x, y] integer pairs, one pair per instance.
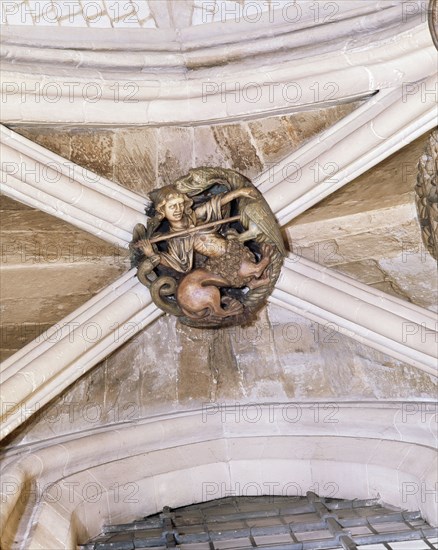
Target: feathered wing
{"points": [[259, 213]]}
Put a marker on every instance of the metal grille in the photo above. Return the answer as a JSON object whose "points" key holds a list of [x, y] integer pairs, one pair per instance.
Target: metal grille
{"points": [[292, 523]]}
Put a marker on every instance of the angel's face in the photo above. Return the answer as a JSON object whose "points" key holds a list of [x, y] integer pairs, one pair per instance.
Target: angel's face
{"points": [[174, 209]]}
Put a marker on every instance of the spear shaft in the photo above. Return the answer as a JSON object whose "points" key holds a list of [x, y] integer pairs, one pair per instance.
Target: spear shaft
{"points": [[193, 229]]}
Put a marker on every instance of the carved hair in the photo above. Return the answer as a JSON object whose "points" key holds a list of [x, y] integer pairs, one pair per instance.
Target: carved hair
{"points": [[160, 196]]}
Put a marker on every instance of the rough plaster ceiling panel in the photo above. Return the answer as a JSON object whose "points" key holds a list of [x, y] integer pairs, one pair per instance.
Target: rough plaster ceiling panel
{"points": [[281, 357], [369, 230], [48, 269]]}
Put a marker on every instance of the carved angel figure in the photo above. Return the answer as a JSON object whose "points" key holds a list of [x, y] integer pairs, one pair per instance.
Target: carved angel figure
{"points": [[204, 256]]}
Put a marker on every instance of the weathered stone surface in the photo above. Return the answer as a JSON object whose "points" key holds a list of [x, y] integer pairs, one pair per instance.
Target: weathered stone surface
{"points": [[274, 138], [136, 155], [142, 159], [207, 366], [281, 357], [57, 141], [16, 334], [227, 380], [93, 150], [278, 136], [207, 150], [175, 154], [52, 281], [366, 230], [320, 362], [390, 287], [48, 269], [254, 349], [160, 12], [89, 148], [415, 272], [234, 139], [370, 225], [180, 13], [367, 271], [385, 185], [302, 126], [195, 377], [150, 377], [43, 244]]}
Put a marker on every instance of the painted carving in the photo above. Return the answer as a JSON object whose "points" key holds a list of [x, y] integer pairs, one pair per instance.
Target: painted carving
{"points": [[433, 21], [212, 250], [426, 194]]}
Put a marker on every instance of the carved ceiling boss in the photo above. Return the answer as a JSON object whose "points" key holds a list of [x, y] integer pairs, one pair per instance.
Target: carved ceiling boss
{"points": [[427, 194], [212, 250]]}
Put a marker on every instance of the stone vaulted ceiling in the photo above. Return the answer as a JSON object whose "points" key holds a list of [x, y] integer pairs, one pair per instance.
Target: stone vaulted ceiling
{"points": [[327, 107]]}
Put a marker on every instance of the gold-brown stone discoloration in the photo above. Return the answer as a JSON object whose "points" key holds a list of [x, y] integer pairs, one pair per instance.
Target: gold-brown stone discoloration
{"points": [[49, 282], [284, 357], [235, 140], [195, 378], [55, 139], [273, 138], [136, 154], [93, 150], [17, 333], [46, 310], [281, 356], [49, 268], [175, 153], [369, 226], [207, 150], [388, 184], [302, 126], [253, 346], [366, 271], [392, 288], [223, 364]]}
